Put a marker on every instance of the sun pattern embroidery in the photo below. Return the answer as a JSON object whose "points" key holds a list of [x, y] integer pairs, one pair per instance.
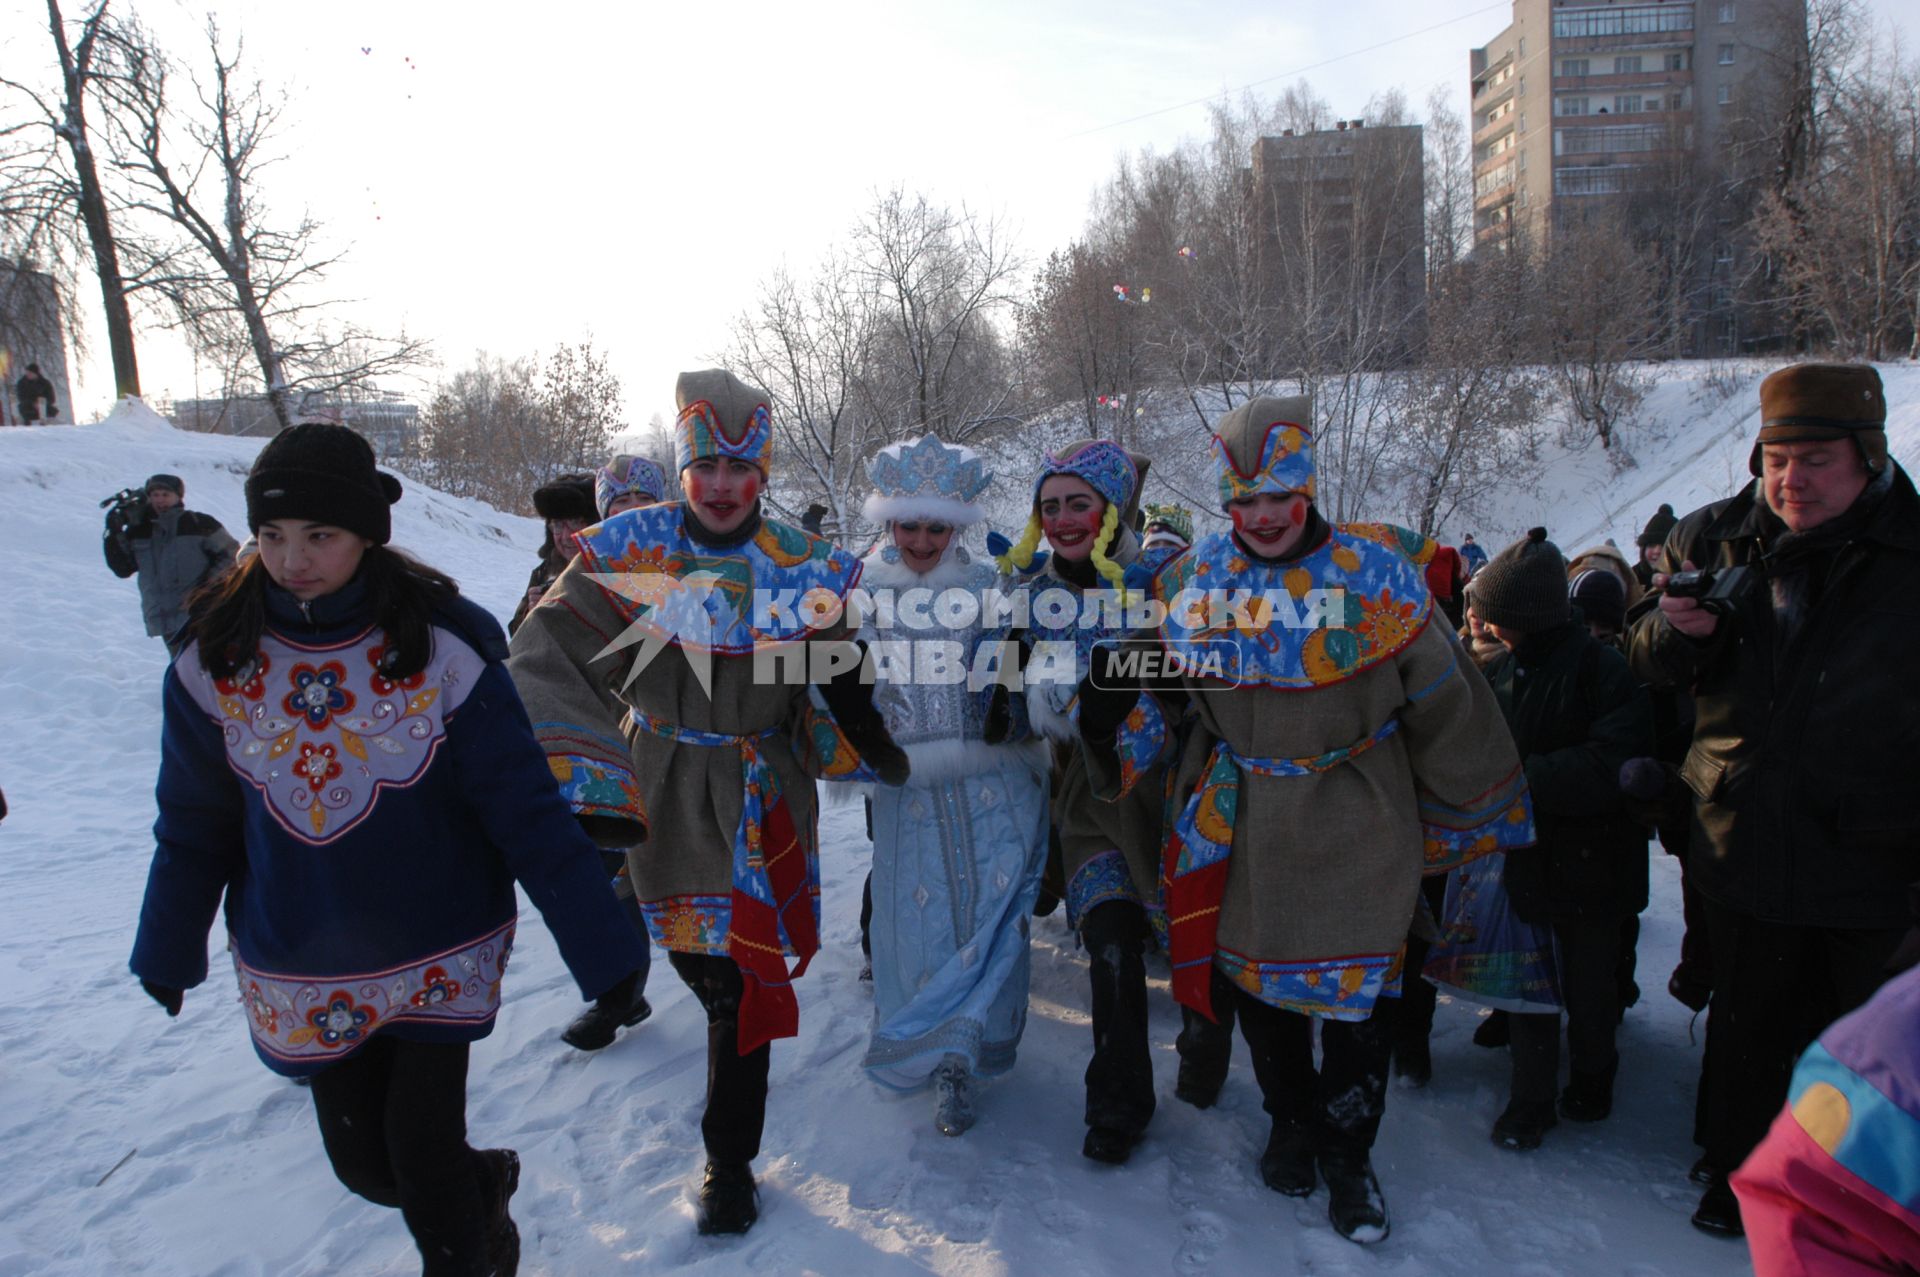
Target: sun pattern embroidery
{"points": [[1385, 624], [318, 693], [341, 1022]]}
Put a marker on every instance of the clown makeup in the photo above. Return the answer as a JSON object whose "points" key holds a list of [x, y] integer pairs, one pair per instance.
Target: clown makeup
{"points": [[1070, 514], [722, 491], [1269, 524], [922, 544]]}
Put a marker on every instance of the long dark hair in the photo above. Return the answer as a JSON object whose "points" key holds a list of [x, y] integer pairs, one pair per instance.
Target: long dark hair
{"points": [[227, 614]]}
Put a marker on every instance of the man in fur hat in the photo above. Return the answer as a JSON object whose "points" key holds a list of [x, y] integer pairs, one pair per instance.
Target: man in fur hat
{"points": [[1805, 834]]}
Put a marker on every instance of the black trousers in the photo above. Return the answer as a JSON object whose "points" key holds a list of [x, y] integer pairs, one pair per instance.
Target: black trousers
{"points": [[736, 1110], [394, 1118], [1411, 1014], [1590, 992], [1775, 987], [1340, 1103], [1120, 1075]]}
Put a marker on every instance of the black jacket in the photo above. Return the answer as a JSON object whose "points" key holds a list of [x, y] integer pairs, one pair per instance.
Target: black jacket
{"points": [[1576, 714], [31, 393], [1806, 743]]}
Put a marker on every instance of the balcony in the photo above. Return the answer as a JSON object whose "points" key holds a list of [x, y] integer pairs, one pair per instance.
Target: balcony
{"points": [[1609, 83], [1488, 133]]}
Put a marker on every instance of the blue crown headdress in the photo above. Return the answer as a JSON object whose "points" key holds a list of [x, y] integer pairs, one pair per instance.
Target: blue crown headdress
{"points": [[926, 479]]}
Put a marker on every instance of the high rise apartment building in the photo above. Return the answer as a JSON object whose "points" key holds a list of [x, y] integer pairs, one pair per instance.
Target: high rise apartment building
{"points": [[1582, 99]]}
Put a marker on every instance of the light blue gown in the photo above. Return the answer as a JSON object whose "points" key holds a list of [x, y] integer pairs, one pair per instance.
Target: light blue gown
{"points": [[957, 852]]}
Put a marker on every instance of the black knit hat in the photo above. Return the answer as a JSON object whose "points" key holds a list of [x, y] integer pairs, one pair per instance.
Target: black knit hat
{"points": [[324, 474], [568, 497], [1655, 533], [171, 482], [1602, 596], [1524, 587]]}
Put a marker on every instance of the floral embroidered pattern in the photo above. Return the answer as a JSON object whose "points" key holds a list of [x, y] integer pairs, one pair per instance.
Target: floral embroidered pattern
{"points": [[689, 924], [296, 1019], [1336, 989], [339, 1023], [1104, 877], [319, 732], [317, 693]]}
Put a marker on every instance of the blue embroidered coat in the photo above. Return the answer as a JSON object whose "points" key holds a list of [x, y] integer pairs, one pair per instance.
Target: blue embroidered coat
{"points": [[366, 834]]}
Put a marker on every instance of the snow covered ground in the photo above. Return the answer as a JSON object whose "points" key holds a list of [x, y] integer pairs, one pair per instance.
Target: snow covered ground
{"points": [[220, 1170]]}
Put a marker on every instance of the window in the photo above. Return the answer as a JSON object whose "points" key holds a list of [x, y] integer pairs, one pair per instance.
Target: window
{"points": [[1726, 94], [1523, 161], [1573, 66], [1570, 106], [1609, 139], [1626, 104], [1726, 55], [1676, 62], [1523, 46], [1624, 20], [1679, 102], [1726, 10], [1522, 91], [1523, 122], [1627, 66], [1606, 179]]}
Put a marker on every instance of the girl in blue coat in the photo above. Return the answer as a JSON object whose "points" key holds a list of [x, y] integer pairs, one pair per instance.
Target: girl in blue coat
{"points": [[346, 762]]}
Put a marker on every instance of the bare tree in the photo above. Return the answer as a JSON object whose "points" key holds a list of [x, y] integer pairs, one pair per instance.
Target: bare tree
{"points": [[1597, 305], [47, 205], [580, 396], [240, 282]]}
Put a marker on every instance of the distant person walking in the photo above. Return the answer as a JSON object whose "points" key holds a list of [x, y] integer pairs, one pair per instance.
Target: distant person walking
{"points": [[1472, 556], [34, 394], [173, 549]]}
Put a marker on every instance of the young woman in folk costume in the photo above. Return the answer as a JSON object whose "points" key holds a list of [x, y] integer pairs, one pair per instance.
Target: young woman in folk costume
{"points": [[1343, 748], [658, 622], [958, 850], [344, 758], [624, 483], [1083, 503]]}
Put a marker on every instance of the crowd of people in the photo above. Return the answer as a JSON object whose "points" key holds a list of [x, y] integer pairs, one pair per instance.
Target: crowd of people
{"points": [[1403, 768]]}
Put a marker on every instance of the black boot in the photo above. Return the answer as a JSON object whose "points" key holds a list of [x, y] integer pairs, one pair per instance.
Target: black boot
{"points": [[1703, 1172], [499, 1177], [1108, 1144], [620, 1007], [1206, 1052], [1413, 1062], [1523, 1126], [1689, 988], [1719, 1211], [1287, 1165], [1589, 1096], [729, 1200], [1493, 1031], [1355, 1204]]}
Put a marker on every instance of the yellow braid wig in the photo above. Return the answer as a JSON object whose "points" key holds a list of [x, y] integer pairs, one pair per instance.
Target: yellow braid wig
{"points": [[1115, 574], [1019, 556]]}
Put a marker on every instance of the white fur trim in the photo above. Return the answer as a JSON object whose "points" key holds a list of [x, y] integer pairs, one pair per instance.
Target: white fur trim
{"points": [[1047, 721], [878, 574], [879, 509]]}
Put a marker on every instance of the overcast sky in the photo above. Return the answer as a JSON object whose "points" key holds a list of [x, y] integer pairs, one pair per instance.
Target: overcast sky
{"points": [[507, 177]]}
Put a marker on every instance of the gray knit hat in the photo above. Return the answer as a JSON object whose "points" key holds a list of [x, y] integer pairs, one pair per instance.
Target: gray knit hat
{"points": [[1524, 587]]}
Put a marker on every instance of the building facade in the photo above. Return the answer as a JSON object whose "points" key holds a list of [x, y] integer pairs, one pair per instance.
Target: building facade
{"points": [[1581, 100], [389, 422]]}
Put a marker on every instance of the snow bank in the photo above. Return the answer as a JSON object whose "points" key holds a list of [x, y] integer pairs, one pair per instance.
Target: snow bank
{"points": [[230, 1178]]}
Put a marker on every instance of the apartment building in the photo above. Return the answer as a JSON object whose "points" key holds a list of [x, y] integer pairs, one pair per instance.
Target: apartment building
{"points": [[1583, 99]]}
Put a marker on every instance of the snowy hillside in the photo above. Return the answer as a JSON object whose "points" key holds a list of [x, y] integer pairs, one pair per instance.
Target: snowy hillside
{"points": [[229, 1176]]}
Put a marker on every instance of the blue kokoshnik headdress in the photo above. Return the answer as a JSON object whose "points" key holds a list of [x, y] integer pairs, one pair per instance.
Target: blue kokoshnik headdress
{"points": [[1105, 467], [625, 474], [926, 479]]}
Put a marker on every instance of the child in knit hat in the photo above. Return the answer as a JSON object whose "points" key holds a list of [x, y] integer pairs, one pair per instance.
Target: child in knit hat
{"points": [[346, 761], [1576, 715]]}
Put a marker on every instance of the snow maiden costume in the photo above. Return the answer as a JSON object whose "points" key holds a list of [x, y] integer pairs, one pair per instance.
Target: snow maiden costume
{"points": [[366, 827], [657, 623], [1342, 749], [1110, 850], [958, 850]]}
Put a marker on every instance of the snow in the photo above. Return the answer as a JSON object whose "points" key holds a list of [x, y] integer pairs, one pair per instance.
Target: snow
{"points": [[229, 1177]]}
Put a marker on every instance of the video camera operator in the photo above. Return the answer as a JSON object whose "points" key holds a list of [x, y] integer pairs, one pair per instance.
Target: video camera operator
{"points": [[173, 549], [1805, 833]]}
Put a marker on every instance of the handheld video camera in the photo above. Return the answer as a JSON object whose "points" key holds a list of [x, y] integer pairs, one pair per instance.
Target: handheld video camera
{"points": [[126, 510], [1718, 590]]}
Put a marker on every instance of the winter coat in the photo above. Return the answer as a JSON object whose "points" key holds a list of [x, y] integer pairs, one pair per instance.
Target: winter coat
{"points": [[1336, 740], [1834, 1188], [1807, 716], [1473, 557], [1446, 573], [1576, 714], [696, 722], [35, 396], [173, 551], [544, 574], [366, 835]]}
